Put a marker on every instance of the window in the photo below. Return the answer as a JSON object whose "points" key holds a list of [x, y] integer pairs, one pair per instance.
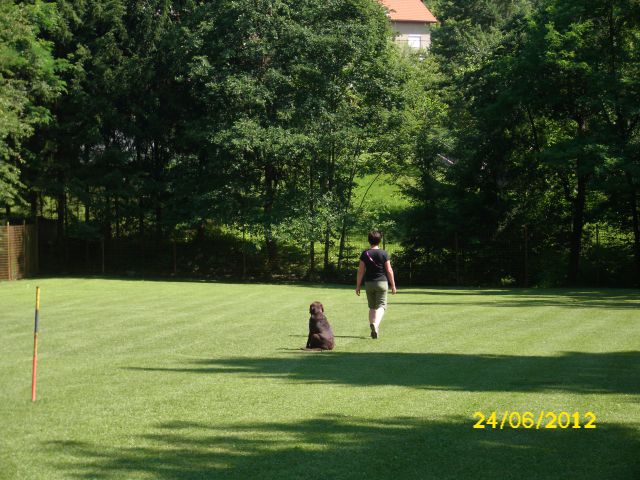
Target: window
{"points": [[414, 41]]}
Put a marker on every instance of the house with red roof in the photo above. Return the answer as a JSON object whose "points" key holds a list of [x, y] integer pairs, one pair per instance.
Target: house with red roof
{"points": [[411, 21]]}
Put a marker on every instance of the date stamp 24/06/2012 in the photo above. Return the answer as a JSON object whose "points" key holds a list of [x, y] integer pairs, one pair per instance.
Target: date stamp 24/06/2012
{"points": [[529, 420]]}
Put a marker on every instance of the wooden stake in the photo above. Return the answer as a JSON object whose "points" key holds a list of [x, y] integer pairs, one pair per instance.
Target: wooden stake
{"points": [[35, 347], [9, 253]]}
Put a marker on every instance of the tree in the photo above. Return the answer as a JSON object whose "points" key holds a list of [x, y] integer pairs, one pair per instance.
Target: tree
{"points": [[288, 97], [29, 81], [542, 108]]}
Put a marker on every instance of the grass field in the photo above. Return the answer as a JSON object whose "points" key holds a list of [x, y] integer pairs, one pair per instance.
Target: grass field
{"points": [[192, 380], [380, 189]]}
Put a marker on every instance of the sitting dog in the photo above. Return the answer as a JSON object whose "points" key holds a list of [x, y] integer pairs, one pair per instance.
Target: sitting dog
{"points": [[320, 333]]}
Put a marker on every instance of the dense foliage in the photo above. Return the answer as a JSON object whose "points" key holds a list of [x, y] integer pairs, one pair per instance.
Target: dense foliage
{"points": [[516, 137], [29, 78], [539, 137]]}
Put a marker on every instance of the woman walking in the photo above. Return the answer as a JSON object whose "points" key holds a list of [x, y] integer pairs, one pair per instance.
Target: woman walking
{"points": [[375, 269]]}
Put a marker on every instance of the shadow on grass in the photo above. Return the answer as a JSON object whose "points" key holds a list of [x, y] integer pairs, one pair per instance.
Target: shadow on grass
{"points": [[516, 297], [530, 302], [615, 372], [360, 337], [568, 298], [345, 448]]}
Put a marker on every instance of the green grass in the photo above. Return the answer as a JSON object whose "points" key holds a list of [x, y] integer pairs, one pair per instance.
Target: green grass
{"points": [[382, 194], [190, 380], [383, 190]]}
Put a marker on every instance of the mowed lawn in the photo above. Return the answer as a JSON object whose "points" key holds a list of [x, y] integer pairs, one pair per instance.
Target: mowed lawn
{"points": [[191, 380]]}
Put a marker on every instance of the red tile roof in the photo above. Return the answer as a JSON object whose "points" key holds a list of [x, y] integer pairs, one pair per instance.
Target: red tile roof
{"points": [[408, 11]]}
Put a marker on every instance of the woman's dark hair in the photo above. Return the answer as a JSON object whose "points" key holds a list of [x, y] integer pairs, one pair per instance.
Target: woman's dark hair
{"points": [[374, 237]]}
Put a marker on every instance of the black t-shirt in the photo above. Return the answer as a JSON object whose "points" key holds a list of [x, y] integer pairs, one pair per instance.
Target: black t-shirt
{"points": [[374, 260]]}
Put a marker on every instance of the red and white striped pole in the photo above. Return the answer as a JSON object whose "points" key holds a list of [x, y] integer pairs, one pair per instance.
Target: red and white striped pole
{"points": [[35, 347]]}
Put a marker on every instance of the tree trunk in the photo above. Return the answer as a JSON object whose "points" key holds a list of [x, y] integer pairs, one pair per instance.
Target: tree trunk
{"points": [[327, 241], [312, 258], [343, 235], [329, 188], [157, 175], [312, 212], [578, 212], [244, 250], [106, 229], [140, 197], [200, 232], [140, 218], [61, 206], [33, 201], [117, 215], [269, 201], [87, 262], [636, 233], [158, 222], [576, 230], [343, 232], [67, 208]]}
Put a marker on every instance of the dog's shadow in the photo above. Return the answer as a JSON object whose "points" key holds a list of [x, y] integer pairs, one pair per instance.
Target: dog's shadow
{"points": [[302, 349], [336, 336]]}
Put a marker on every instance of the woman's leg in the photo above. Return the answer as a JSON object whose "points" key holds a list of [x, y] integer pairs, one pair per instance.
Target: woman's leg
{"points": [[372, 323], [371, 298], [377, 318], [381, 304], [376, 298]]}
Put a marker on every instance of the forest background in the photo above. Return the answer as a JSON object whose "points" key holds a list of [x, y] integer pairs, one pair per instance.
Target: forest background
{"points": [[264, 138]]}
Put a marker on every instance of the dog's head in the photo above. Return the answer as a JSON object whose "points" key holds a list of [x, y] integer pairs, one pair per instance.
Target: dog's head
{"points": [[316, 307]]}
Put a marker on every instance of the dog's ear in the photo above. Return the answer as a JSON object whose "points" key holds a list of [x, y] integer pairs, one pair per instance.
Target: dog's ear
{"points": [[321, 307]]}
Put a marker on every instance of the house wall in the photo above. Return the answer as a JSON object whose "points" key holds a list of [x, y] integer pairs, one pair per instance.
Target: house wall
{"points": [[404, 29]]}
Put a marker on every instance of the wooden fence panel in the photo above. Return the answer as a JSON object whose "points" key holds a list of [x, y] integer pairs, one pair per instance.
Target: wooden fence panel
{"points": [[18, 251]]}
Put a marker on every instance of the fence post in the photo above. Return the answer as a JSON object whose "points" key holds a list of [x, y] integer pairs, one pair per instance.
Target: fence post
{"points": [[244, 250], [36, 260], [457, 259], [102, 252], [526, 256], [597, 255], [9, 251], [86, 256], [175, 262], [25, 271]]}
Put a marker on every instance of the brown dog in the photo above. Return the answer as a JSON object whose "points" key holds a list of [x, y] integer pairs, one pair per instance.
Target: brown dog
{"points": [[320, 333]]}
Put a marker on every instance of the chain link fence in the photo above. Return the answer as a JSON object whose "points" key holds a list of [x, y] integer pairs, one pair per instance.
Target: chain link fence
{"points": [[523, 260]]}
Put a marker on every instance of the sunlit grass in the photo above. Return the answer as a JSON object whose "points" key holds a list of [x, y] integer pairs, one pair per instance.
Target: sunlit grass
{"points": [[185, 380]]}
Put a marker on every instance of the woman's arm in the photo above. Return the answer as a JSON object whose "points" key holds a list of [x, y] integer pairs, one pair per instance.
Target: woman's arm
{"points": [[361, 268], [390, 277]]}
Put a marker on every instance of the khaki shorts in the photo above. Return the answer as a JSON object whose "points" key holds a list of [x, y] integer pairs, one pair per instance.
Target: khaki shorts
{"points": [[377, 294]]}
